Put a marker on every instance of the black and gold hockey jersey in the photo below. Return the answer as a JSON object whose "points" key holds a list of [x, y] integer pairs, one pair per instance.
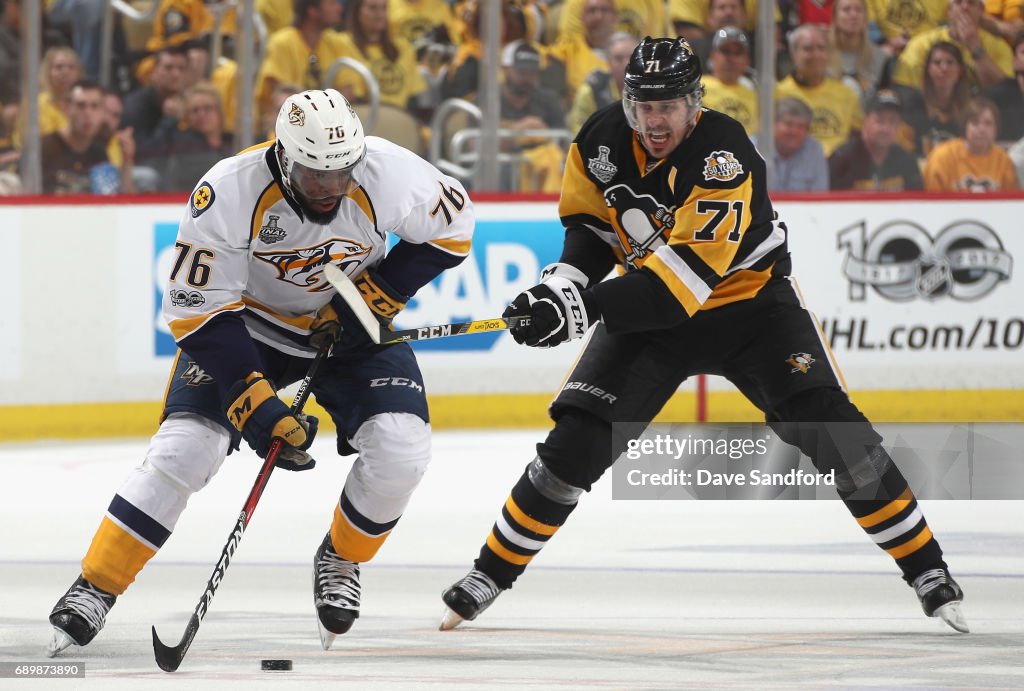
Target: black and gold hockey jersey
{"points": [[699, 220]]}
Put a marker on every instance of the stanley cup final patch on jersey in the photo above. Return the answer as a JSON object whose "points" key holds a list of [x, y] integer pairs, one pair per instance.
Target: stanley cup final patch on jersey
{"points": [[600, 167], [202, 199], [721, 166]]}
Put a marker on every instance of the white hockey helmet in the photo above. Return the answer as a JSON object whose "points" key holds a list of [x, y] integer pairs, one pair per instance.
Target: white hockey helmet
{"points": [[319, 140]]}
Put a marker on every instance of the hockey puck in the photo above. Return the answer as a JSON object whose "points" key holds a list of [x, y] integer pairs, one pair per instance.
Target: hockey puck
{"points": [[276, 665]]}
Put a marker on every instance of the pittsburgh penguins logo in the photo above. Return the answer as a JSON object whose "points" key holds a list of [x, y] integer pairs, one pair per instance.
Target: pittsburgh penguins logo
{"points": [[641, 221], [801, 362], [202, 199], [824, 124], [303, 267]]}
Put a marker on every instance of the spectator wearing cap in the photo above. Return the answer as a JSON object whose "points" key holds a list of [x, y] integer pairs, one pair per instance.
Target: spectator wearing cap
{"points": [[836, 108], [973, 163], [872, 160], [603, 87], [1009, 95], [799, 161], [853, 57], [728, 90], [988, 57], [582, 54], [526, 105]]}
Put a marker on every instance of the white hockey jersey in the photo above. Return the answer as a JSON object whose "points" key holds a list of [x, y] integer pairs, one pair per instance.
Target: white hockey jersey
{"points": [[243, 246]]}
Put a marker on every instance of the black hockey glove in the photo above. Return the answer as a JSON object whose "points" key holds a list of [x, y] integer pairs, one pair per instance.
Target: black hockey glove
{"points": [[556, 309], [256, 411]]}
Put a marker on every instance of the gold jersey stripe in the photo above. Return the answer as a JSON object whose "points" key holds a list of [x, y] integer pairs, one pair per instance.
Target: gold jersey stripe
{"points": [[301, 323], [452, 246], [257, 147], [115, 558], [675, 284], [887, 511], [741, 285], [912, 546], [183, 327], [170, 377], [363, 202], [271, 195], [350, 542], [506, 554], [531, 524], [579, 194]]}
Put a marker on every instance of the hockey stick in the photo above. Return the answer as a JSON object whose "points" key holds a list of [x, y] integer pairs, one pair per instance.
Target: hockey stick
{"points": [[169, 658], [383, 336]]}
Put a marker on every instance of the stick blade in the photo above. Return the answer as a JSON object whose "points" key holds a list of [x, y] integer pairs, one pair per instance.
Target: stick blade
{"points": [[169, 658], [354, 299]]}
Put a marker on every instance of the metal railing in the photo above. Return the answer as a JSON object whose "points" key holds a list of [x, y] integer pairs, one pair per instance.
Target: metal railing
{"points": [[461, 156], [372, 87]]}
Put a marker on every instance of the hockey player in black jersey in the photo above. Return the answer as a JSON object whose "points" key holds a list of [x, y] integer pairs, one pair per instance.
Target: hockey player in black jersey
{"points": [[676, 196]]}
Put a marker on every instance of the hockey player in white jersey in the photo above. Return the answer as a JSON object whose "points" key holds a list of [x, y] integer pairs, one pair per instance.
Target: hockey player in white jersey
{"points": [[248, 306]]}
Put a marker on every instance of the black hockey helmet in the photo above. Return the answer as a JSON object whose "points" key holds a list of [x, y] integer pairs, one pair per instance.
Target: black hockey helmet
{"points": [[661, 69]]}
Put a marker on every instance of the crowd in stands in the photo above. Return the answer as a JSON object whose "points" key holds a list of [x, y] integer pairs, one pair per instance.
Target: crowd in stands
{"points": [[871, 95]]}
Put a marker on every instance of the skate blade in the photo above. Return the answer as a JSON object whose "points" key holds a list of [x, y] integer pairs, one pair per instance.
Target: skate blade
{"points": [[58, 643], [954, 616], [449, 620], [326, 637]]}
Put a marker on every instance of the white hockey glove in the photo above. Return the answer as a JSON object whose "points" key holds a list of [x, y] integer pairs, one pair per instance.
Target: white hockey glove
{"points": [[555, 306]]}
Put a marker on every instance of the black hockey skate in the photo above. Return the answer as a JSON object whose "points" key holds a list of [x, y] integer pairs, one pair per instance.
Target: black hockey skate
{"points": [[467, 598], [335, 592], [940, 596], [79, 615]]}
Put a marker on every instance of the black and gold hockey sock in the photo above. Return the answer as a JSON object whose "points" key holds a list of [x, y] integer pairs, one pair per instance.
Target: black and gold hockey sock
{"points": [[527, 521], [895, 522]]}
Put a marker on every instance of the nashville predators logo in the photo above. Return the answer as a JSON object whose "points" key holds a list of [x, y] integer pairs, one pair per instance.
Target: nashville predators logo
{"points": [[801, 362], [304, 267], [202, 199], [721, 166], [296, 116], [194, 375]]}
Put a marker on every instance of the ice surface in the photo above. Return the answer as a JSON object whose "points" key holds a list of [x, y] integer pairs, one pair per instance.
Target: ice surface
{"points": [[629, 595]]}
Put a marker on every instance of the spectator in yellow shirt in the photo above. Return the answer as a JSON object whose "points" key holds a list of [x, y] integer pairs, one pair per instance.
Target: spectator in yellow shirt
{"points": [[585, 53], [835, 106], [59, 71], [302, 54], [390, 59], [899, 21], [725, 90], [987, 56], [410, 20], [973, 163], [637, 17], [602, 88]]}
